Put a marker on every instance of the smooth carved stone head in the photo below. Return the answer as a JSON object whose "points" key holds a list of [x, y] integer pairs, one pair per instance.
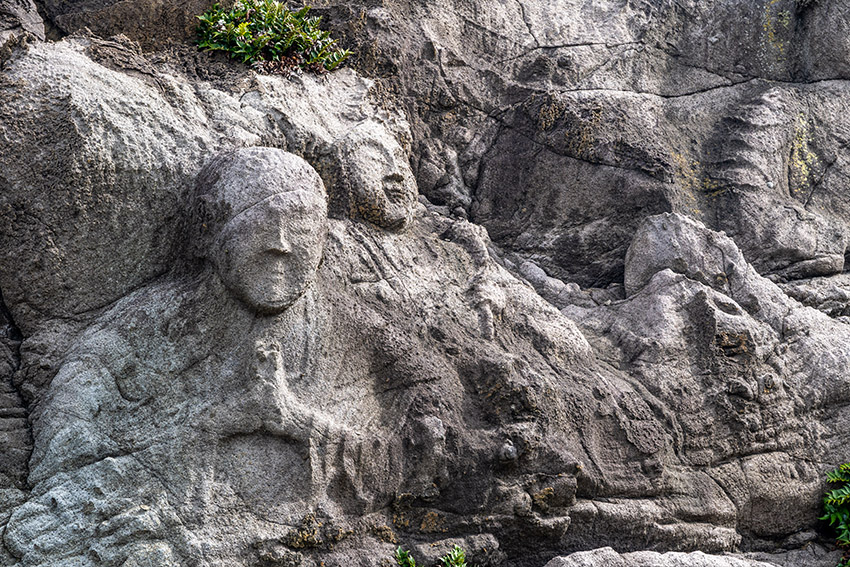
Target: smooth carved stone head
{"points": [[377, 183], [260, 218]]}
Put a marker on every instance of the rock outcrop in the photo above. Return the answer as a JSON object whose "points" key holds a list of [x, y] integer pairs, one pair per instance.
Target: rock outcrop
{"points": [[544, 280], [18, 19], [607, 556]]}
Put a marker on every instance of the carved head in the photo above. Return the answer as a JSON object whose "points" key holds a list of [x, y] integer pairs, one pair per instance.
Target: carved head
{"points": [[261, 221], [377, 180]]}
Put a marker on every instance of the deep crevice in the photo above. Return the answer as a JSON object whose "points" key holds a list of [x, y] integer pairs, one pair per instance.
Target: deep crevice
{"points": [[51, 31], [14, 415], [527, 23], [10, 331]]}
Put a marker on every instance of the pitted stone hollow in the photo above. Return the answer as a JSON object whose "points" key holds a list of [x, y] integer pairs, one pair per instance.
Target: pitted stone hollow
{"points": [[260, 218]]}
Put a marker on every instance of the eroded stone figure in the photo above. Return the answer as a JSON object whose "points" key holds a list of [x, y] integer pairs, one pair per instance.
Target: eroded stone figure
{"points": [[261, 217], [376, 183], [187, 395], [297, 369]]}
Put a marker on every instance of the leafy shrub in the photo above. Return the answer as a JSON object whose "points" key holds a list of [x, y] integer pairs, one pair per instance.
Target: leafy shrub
{"points": [[836, 505], [455, 558], [270, 37]]}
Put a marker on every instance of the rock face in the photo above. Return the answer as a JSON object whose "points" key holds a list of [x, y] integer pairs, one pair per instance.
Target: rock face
{"points": [[607, 556], [560, 128], [149, 22], [19, 18], [540, 279]]}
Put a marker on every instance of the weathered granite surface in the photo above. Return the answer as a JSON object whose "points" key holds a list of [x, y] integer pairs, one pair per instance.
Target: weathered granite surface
{"points": [[607, 556], [542, 279]]}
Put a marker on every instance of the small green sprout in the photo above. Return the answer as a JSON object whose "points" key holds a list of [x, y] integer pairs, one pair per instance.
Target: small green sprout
{"points": [[403, 558], [455, 558]]}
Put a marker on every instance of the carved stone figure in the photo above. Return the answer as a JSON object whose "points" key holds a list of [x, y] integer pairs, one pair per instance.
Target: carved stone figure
{"points": [[376, 183], [207, 355], [267, 251], [274, 397]]}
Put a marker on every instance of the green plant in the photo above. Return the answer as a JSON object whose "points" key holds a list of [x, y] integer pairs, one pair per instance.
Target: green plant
{"points": [[270, 37], [403, 558], [455, 558], [836, 505]]}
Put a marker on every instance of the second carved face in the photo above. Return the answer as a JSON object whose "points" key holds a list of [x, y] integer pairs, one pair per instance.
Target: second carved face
{"points": [[378, 185]]}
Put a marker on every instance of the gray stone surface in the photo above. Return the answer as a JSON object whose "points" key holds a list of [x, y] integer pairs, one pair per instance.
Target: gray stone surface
{"points": [[707, 335], [561, 128], [607, 556], [615, 318], [18, 18], [828, 294], [812, 556], [150, 22]]}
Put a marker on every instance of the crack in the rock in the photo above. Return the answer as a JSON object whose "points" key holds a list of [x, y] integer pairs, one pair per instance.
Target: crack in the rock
{"points": [[818, 182], [733, 78], [527, 23], [647, 93], [13, 333], [496, 114], [14, 338], [722, 73], [482, 27], [504, 125], [51, 31], [607, 45], [570, 156]]}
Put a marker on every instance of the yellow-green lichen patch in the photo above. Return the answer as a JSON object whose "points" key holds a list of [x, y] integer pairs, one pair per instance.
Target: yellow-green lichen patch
{"points": [[550, 111], [803, 162], [432, 522], [692, 183], [582, 138], [776, 25]]}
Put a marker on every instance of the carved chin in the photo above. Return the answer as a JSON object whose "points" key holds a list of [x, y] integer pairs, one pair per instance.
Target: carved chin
{"points": [[271, 303], [269, 299], [397, 217]]}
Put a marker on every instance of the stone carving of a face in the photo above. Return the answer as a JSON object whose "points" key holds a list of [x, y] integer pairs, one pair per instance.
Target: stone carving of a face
{"points": [[268, 254], [265, 227], [381, 184]]}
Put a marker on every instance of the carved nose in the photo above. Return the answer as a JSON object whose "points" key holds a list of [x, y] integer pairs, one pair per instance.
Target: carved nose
{"points": [[280, 244], [282, 247]]}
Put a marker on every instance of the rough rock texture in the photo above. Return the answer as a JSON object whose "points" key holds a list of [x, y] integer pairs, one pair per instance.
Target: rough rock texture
{"points": [[541, 279], [609, 557], [18, 18], [560, 128], [149, 22]]}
